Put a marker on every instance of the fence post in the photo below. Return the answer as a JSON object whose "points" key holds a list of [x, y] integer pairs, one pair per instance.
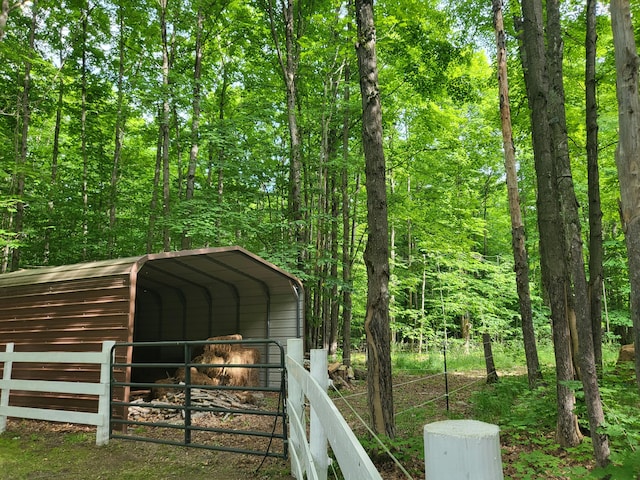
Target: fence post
{"points": [[4, 392], [104, 401], [295, 402], [318, 436], [462, 449]]}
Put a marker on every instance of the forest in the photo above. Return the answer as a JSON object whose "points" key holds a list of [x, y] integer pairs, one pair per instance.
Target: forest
{"points": [[136, 127]]}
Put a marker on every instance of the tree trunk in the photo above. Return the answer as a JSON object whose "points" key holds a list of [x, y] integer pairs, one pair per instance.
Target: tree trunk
{"points": [[195, 122], [347, 231], [55, 154], [518, 239], [118, 137], [4, 15], [574, 253], [334, 299], [595, 211], [83, 138], [24, 135], [153, 207], [492, 374], [164, 127], [289, 66], [552, 259], [376, 255], [628, 151]]}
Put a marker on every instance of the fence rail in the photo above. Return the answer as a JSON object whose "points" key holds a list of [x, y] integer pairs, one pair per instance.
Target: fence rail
{"points": [[100, 419], [309, 454]]}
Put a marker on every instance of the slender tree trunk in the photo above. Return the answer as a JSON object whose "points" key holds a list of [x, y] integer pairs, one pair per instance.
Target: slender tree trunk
{"points": [[518, 238], [21, 162], [195, 121], [164, 127], [83, 138], [54, 165], [153, 207], [347, 236], [289, 67], [376, 255], [628, 152], [595, 210], [118, 137], [554, 274], [333, 296]]}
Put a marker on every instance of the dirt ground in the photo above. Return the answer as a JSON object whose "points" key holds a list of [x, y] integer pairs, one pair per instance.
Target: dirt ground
{"points": [[62, 451], [418, 400]]}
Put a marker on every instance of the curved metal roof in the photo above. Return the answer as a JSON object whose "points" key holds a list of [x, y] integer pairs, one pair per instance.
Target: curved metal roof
{"points": [[231, 265]]}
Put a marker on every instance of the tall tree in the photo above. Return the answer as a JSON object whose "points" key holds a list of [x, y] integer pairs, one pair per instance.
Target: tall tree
{"points": [[289, 59], [195, 117], [164, 126], [518, 239], [25, 117], [628, 152], [572, 228], [119, 132], [593, 180], [552, 259], [376, 255]]}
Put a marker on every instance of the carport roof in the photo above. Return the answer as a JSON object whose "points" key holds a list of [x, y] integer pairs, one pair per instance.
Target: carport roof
{"points": [[232, 265]]}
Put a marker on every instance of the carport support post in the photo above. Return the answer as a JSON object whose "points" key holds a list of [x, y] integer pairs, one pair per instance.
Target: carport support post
{"points": [[318, 437]]}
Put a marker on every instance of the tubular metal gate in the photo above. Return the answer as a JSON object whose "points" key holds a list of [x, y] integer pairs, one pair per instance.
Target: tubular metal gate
{"points": [[196, 412]]}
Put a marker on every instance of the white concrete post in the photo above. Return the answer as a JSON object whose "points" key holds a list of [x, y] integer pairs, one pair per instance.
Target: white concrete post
{"points": [[318, 437], [462, 449]]}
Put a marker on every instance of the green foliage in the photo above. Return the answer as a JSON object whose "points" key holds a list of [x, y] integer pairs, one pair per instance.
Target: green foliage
{"points": [[527, 417]]}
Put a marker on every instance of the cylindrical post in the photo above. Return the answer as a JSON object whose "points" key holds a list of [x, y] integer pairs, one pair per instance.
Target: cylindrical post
{"points": [[462, 449], [318, 437]]}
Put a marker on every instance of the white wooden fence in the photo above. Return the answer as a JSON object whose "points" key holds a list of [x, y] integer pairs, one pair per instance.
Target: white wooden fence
{"points": [[101, 389], [309, 454]]}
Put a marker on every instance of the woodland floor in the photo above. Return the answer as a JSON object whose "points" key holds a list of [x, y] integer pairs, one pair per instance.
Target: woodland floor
{"points": [[69, 452]]}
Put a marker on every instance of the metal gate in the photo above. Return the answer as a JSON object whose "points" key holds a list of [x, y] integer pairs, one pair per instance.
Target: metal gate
{"points": [[187, 394]]}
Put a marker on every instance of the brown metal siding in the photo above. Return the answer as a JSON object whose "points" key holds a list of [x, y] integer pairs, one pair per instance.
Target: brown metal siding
{"points": [[72, 315]]}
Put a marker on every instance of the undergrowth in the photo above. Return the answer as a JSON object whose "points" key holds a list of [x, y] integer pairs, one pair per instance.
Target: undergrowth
{"points": [[527, 421]]}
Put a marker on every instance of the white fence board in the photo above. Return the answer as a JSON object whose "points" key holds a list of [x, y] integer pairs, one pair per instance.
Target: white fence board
{"points": [[354, 462], [75, 388], [101, 389]]}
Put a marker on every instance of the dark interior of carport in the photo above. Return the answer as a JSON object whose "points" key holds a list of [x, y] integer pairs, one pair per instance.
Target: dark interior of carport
{"points": [[206, 294]]}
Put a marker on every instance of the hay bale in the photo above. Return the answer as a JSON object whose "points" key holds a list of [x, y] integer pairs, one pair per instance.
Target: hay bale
{"points": [[210, 358], [197, 377], [161, 392], [241, 376], [627, 353], [222, 349]]}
